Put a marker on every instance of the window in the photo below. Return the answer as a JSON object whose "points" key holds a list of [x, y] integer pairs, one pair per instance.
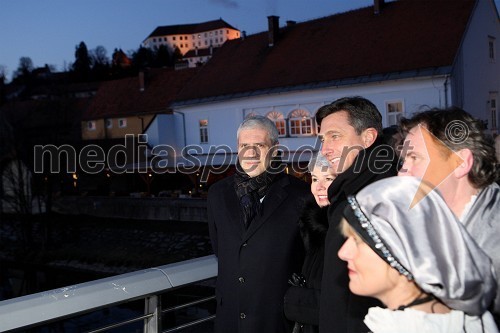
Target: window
{"points": [[279, 121], [300, 123], [204, 131], [394, 110], [122, 122], [173, 38], [109, 123], [91, 125], [494, 111], [491, 48]]}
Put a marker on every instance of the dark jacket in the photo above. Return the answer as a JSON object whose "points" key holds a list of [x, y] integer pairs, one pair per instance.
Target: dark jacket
{"points": [[340, 310], [254, 265], [302, 303]]}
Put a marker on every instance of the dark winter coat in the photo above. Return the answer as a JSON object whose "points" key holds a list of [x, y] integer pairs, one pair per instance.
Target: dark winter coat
{"points": [[254, 265], [302, 303], [340, 310]]}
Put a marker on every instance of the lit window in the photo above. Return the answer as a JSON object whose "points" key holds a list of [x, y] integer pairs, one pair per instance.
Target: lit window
{"points": [[109, 123], [394, 111], [301, 123], [122, 122], [204, 131], [91, 125], [251, 114], [279, 121], [491, 48]]}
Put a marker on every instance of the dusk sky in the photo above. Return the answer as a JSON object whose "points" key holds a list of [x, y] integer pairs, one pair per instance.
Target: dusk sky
{"points": [[47, 31]]}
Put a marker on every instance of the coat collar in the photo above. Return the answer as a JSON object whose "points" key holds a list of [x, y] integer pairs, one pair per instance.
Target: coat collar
{"points": [[275, 196]]}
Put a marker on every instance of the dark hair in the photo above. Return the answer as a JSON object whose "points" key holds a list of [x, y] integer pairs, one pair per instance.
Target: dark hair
{"points": [[458, 130], [362, 113]]}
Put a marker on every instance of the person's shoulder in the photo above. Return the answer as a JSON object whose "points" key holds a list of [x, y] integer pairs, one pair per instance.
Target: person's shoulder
{"points": [[221, 185], [296, 183]]}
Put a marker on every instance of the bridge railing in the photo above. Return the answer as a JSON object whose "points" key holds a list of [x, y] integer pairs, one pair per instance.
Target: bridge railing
{"points": [[149, 284]]}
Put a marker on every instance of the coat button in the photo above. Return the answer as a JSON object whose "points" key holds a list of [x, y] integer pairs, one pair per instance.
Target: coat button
{"points": [[241, 279], [242, 315], [245, 244]]}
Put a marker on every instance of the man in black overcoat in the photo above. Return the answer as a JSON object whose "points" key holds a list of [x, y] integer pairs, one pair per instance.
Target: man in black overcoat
{"points": [[252, 218], [351, 135]]}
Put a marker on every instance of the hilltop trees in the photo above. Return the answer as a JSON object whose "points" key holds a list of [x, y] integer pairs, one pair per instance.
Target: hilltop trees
{"points": [[95, 65], [81, 66]]}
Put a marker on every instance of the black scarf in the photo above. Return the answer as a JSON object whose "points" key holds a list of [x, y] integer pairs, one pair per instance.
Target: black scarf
{"points": [[250, 190], [373, 163]]}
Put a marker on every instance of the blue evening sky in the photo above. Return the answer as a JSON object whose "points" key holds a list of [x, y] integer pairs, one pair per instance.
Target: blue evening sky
{"points": [[47, 31]]}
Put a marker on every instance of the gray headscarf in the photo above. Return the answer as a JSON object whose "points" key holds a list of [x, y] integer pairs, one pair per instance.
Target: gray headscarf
{"points": [[426, 242]]}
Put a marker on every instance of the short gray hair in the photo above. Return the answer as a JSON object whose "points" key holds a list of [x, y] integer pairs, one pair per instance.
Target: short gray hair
{"points": [[260, 122], [318, 160]]}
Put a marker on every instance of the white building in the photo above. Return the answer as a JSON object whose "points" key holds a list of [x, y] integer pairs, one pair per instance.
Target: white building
{"points": [[404, 56], [186, 37]]}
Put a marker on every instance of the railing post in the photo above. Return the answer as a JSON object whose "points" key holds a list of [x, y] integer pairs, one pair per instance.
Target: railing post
{"points": [[152, 306]]}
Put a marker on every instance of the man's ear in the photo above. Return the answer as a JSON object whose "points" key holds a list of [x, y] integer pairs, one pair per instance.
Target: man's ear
{"points": [[369, 136], [466, 163], [274, 149]]}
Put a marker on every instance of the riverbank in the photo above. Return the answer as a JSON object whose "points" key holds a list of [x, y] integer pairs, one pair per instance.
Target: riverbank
{"points": [[55, 247]]}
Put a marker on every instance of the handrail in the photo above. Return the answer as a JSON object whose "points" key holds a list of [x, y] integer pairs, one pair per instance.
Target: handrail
{"points": [[69, 301]]}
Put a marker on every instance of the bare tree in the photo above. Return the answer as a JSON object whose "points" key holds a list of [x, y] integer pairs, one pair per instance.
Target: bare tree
{"points": [[16, 181], [99, 56]]}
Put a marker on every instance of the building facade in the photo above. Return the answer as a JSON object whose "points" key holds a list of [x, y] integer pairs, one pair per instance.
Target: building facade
{"points": [[192, 37]]}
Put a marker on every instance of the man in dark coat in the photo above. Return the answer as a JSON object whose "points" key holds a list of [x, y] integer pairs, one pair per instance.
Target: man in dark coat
{"points": [[252, 218], [350, 131]]}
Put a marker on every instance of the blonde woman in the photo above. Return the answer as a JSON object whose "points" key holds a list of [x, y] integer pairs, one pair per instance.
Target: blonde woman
{"points": [[406, 248]]}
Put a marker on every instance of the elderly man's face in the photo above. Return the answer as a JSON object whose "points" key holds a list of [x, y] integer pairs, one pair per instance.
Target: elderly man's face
{"points": [[254, 154]]}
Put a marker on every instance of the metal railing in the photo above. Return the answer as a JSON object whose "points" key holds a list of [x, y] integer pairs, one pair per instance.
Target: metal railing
{"points": [[58, 304]]}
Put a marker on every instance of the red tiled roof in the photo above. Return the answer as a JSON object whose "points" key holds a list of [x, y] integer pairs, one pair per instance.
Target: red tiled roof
{"points": [[406, 35], [123, 97], [190, 28]]}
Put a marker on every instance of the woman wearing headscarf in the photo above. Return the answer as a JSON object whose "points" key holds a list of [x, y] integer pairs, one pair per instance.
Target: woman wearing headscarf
{"points": [[405, 247], [301, 299]]}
